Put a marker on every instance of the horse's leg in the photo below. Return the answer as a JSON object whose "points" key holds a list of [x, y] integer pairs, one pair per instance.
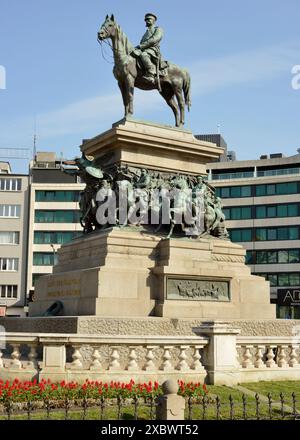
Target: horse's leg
{"points": [[129, 90], [122, 87], [180, 100], [168, 96]]}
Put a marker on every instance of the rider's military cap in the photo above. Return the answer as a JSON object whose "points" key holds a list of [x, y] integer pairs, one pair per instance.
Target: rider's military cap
{"points": [[150, 15]]}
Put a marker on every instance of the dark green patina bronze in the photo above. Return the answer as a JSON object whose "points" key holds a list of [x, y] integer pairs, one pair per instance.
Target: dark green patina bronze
{"points": [[143, 67]]}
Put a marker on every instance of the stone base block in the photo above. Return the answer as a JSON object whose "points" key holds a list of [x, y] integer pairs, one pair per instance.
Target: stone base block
{"points": [[129, 272]]}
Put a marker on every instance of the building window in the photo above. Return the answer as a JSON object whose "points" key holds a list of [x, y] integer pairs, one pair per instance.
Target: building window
{"points": [[44, 258], [239, 235], [9, 184], [282, 279], [59, 237], [58, 216], [57, 196], [271, 189], [9, 264], [8, 237], [10, 211], [8, 291], [264, 211]]}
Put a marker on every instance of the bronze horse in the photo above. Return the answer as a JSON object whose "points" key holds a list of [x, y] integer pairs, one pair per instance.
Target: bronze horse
{"points": [[175, 85]]}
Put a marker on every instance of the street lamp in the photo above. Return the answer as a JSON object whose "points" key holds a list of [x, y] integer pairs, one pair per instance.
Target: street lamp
{"points": [[54, 253]]}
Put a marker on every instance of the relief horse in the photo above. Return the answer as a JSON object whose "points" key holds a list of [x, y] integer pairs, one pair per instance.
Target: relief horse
{"points": [[174, 87]]}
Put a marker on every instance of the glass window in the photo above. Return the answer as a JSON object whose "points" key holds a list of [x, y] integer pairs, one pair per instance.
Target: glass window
{"points": [[271, 211], [272, 234], [235, 235], [294, 279], [293, 233], [287, 188], [246, 191], [8, 291], [271, 190], [246, 212], [260, 190], [272, 257], [283, 279], [57, 196], [292, 210], [225, 192], [283, 256], [260, 234], [283, 233], [235, 213], [235, 191], [43, 258], [9, 237], [273, 279], [261, 257], [293, 256], [282, 211], [10, 210], [246, 235], [226, 212], [59, 216], [10, 184], [260, 212], [249, 257]]}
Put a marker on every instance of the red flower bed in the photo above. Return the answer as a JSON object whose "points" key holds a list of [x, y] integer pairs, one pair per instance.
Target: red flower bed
{"points": [[29, 391]]}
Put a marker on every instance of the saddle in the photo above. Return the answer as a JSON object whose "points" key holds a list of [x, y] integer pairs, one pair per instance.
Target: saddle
{"points": [[162, 67]]}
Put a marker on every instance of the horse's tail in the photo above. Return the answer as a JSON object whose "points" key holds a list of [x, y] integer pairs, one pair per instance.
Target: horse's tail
{"points": [[187, 89]]}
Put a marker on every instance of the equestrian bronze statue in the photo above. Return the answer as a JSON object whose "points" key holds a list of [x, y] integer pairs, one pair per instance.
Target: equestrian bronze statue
{"points": [[142, 66]]}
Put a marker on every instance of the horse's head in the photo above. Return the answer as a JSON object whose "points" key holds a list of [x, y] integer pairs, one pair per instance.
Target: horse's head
{"points": [[108, 28]]}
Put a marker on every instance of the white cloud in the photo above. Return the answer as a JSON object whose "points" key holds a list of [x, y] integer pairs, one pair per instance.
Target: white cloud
{"points": [[256, 65]]}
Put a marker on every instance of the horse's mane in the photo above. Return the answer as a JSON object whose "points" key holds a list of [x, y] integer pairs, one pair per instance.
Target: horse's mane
{"points": [[123, 40]]}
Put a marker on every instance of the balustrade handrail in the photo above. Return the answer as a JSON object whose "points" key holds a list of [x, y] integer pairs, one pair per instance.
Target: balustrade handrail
{"points": [[240, 340], [102, 339]]}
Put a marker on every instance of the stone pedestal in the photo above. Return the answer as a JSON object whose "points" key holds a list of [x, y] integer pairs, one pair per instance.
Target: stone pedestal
{"points": [[135, 272], [151, 146], [128, 272]]}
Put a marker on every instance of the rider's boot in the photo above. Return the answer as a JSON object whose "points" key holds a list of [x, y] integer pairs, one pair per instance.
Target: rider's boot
{"points": [[149, 68]]}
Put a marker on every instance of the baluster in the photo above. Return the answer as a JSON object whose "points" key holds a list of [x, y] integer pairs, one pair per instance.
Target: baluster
{"points": [[1, 360], [32, 357], [15, 356], [259, 363], [247, 357], [293, 356], [197, 364], [132, 365], [270, 363], [96, 363], [282, 357], [149, 356], [77, 358], [183, 366], [114, 363], [167, 366]]}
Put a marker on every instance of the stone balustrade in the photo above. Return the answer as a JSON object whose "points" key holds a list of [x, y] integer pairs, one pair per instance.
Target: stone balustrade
{"points": [[268, 358], [218, 354], [80, 357]]}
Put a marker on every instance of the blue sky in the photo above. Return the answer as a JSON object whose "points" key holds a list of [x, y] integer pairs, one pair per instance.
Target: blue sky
{"points": [[239, 54]]}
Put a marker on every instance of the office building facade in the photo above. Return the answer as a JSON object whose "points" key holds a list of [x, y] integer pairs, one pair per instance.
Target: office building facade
{"points": [[261, 200], [54, 216], [14, 195]]}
